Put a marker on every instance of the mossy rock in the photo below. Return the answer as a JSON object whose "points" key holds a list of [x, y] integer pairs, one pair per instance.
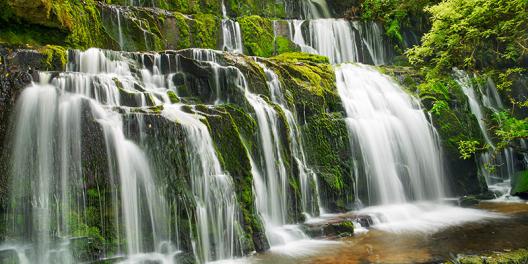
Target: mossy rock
{"points": [[257, 35], [309, 81], [79, 22], [330, 155], [56, 57], [514, 257], [235, 160], [520, 185]]}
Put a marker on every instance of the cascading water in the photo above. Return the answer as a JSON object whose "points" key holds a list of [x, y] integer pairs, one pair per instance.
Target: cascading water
{"points": [[231, 34], [398, 152], [217, 208], [397, 145], [308, 178], [498, 180], [341, 40], [313, 9], [50, 127], [271, 178], [270, 175]]}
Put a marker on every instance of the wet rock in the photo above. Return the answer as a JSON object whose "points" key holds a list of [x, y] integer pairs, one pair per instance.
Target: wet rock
{"points": [[520, 185], [338, 226], [468, 201]]}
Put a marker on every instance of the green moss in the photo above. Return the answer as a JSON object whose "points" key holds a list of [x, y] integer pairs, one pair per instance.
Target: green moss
{"points": [[30, 36], [329, 152], [83, 22], [61, 22], [345, 227], [520, 184], [56, 57], [284, 45], [257, 35], [265, 8], [297, 57], [310, 81], [235, 160], [184, 36], [173, 97], [89, 243], [205, 30]]}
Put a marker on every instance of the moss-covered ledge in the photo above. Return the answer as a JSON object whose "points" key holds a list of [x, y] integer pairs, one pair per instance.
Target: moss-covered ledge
{"points": [[73, 23]]}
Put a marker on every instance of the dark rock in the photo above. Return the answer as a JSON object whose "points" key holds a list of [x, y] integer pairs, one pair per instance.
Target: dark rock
{"points": [[520, 185], [468, 201], [337, 226]]}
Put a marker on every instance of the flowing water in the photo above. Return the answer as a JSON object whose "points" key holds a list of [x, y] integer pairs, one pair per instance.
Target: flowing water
{"points": [[104, 114], [341, 40], [392, 138], [231, 34], [313, 9], [50, 127], [308, 178], [484, 98]]}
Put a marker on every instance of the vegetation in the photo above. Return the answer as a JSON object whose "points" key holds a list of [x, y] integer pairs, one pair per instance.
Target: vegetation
{"points": [[396, 15], [474, 34], [257, 35]]}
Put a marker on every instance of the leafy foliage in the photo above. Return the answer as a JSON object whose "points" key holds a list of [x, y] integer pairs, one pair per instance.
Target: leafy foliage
{"points": [[468, 148], [473, 34], [510, 128]]}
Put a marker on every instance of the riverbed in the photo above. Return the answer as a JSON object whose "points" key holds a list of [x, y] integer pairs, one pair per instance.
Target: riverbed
{"points": [[507, 232]]}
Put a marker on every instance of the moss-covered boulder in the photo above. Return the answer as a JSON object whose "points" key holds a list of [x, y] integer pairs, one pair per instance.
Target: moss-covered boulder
{"points": [[520, 185]]}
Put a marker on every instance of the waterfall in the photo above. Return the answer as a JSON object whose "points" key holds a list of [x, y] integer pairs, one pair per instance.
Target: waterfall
{"points": [[120, 29], [50, 119], [398, 154], [231, 33], [313, 9], [308, 178], [392, 138], [341, 40], [49, 149], [270, 175], [217, 208], [480, 98], [271, 179]]}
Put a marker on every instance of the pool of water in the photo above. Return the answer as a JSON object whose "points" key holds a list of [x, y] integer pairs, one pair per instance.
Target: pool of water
{"points": [[503, 226]]}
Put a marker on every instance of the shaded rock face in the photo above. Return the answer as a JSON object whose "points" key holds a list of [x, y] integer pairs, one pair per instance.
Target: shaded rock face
{"points": [[463, 175], [343, 8], [34, 11]]}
